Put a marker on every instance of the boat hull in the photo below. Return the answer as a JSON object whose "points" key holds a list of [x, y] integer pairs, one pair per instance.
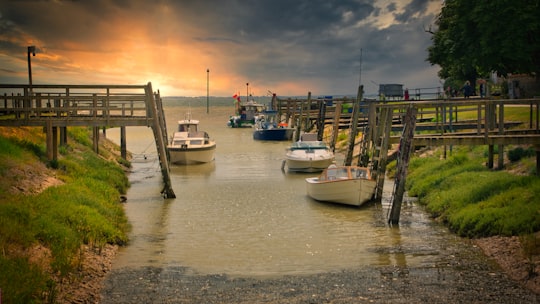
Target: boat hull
{"points": [[273, 134], [186, 156], [308, 164], [308, 155], [354, 192]]}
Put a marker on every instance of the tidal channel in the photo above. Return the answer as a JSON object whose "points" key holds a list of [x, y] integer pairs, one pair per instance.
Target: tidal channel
{"points": [[241, 215]]}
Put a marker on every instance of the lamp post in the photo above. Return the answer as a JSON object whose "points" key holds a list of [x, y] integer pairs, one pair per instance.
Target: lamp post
{"points": [[207, 91], [31, 49], [247, 91]]}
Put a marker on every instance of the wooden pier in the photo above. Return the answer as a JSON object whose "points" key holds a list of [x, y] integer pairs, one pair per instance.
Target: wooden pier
{"points": [[56, 107], [443, 122]]}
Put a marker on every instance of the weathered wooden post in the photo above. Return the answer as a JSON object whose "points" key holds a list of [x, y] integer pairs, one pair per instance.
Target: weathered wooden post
{"points": [[320, 119], [380, 156], [49, 130], [405, 149], [487, 127], [307, 124], [157, 128], [123, 146], [367, 136], [300, 120], [500, 148], [335, 126], [354, 126]]}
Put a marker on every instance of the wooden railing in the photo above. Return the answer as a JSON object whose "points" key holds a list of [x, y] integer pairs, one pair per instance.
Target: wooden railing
{"points": [[75, 105], [59, 106]]}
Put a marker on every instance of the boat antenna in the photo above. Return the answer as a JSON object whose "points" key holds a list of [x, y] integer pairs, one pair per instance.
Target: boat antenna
{"points": [[360, 76]]}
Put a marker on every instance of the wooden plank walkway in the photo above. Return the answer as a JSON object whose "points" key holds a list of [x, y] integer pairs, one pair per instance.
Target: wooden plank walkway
{"points": [[439, 122], [56, 107]]}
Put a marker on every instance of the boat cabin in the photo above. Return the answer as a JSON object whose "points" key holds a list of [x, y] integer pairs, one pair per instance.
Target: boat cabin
{"points": [[345, 172], [189, 126], [249, 110]]}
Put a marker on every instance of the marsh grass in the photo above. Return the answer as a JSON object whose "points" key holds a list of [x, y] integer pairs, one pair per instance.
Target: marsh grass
{"points": [[84, 210], [472, 200], [24, 280]]}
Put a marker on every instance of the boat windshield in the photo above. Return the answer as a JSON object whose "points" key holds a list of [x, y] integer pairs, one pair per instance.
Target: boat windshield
{"points": [[358, 173], [335, 173], [187, 128], [308, 145]]}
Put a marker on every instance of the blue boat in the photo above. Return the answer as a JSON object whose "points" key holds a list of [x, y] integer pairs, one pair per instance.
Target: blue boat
{"points": [[267, 128]]}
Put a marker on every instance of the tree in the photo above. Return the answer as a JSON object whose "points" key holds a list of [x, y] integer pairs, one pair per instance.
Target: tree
{"points": [[475, 38]]}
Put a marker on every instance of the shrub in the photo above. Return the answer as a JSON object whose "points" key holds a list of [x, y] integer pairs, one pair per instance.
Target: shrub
{"points": [[518, 153]]}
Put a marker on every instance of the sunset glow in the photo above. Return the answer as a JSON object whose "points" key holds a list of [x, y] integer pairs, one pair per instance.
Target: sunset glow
{"points": [[287, 48]]}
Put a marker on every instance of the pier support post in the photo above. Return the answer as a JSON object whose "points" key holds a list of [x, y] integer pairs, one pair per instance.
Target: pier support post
{"points": [[95, 141], [354, 126], [320, 119], [405, 149], [335, 126], [159, 129], [52, 141], [123, 146], [500, 148]]}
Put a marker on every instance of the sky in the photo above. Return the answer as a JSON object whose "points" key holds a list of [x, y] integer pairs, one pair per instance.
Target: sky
{"points": [[221, 47]]}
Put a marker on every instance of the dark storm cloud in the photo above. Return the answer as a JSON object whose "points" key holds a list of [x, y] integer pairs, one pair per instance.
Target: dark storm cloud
{"points": [[267, 41]]}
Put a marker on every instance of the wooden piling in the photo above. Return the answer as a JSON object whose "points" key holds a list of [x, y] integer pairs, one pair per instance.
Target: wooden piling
{"points": [[95, 137], [335, 127], [381, 148], [321, 119], [123, 146], [158, 129], [405, 149], [354, 126], [49, 139]]}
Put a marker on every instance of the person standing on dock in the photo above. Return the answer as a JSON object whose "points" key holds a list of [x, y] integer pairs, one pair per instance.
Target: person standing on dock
{"points": [[467, 89]]}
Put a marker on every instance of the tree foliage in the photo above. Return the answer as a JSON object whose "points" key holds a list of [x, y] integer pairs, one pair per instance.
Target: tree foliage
{"points": [[478, 37]]}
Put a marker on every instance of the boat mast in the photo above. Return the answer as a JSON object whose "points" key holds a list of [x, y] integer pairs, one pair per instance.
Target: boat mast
{"points": [[360, 77]]}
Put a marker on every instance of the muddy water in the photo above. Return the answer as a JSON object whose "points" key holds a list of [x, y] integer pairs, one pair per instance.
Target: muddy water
{"points": [[242, 216]]}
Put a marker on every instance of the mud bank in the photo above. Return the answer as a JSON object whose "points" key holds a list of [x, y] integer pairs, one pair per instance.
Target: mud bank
{"points": [[461, 274]]}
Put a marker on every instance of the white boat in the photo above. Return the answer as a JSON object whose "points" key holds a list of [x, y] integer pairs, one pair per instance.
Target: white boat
{"points": [[308, 155], [189, 145], [350, 185]]}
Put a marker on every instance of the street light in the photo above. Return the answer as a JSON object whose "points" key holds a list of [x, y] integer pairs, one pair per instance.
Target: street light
{"points": [[31, 49], [247, 91], [207, 91]]}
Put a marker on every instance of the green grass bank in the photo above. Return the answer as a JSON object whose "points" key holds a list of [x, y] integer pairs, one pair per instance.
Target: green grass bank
{"points": [[49, 210], [474, 201]]}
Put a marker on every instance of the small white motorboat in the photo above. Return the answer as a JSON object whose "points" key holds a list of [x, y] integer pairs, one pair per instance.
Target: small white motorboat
{"points": [[189, 145], [350, 185], [308, 155]]}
